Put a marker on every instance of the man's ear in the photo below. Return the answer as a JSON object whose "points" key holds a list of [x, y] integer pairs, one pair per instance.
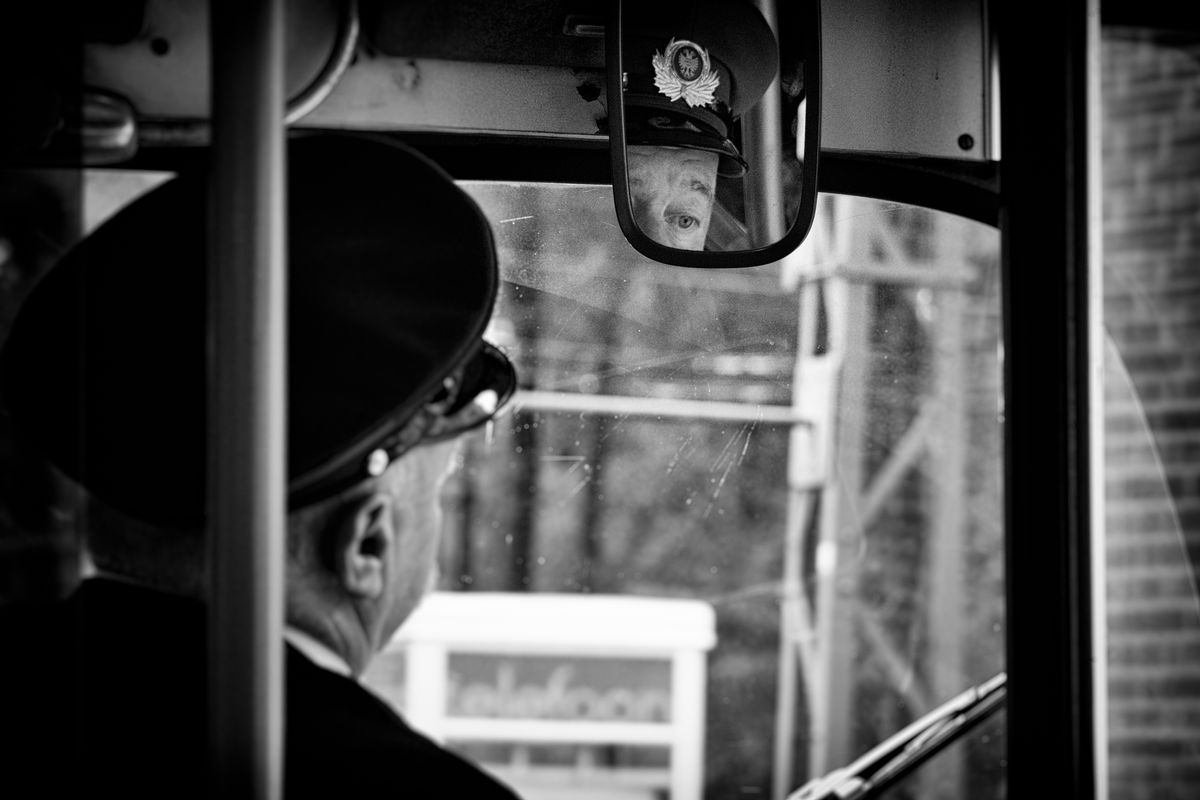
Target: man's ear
{"points": [[364, 541]]}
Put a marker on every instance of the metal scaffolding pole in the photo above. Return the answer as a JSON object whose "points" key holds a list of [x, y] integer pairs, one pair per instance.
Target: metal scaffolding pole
{"points": [[836, 568]]}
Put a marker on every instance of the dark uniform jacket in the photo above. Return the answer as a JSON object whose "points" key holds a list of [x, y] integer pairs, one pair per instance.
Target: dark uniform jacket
{"points": [[105, 695]]}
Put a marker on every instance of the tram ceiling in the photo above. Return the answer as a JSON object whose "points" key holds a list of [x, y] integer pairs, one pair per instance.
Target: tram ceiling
{"points": [[489, 88]]}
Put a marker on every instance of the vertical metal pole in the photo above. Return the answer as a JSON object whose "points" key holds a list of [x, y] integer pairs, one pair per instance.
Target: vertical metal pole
{"points": [[1046, 248], [1096, 425], [247, 474], [763, 142]]}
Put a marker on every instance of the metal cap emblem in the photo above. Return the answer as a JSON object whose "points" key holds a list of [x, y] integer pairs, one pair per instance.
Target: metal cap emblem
{"points": [[684, 72]]}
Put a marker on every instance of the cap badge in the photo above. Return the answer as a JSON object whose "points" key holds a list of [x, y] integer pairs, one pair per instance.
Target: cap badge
{"points": [[684, 72]]}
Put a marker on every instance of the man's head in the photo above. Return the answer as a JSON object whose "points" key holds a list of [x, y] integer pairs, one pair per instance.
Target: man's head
{"points": [[673, 189], [359, 563], [104, 372]]}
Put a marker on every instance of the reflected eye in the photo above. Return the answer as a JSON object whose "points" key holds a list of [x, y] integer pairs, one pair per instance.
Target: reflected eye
{"points": [[685, 221]]}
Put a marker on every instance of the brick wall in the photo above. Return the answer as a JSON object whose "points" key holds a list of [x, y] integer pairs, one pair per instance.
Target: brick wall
{"points": [[1151, 141]]}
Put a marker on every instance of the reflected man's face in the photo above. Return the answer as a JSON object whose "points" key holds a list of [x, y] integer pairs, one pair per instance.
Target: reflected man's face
{"points": [[672, 191]]}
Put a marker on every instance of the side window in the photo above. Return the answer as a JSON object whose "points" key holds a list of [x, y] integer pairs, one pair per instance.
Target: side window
{"points": [[1151, 167]]}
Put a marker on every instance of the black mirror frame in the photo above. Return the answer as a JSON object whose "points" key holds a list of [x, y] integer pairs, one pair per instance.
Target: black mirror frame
{"points": [[800, 226]]}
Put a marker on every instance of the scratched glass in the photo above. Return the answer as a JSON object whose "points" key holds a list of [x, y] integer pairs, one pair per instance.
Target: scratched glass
{"points": [[809, 453], [811, 449]]}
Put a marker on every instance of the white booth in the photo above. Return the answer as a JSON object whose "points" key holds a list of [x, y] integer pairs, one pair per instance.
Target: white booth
{"points": [[579, 697]]}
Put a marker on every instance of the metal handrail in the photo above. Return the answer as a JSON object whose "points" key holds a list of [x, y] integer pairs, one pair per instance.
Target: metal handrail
{"points": [[247, 400]]}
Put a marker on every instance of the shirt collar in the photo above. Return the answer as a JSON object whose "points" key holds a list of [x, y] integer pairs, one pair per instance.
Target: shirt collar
{"points": [[317, 652]]}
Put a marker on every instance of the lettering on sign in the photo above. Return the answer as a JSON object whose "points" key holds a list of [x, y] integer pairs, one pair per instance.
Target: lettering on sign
{"points": [[611, 690]]}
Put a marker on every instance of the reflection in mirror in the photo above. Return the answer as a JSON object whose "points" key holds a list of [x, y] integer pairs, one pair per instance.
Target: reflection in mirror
{"points": [[704, 130], [672, 189]]}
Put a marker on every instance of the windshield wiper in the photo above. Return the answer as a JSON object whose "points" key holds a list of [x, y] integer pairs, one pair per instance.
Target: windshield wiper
{"points": [[900, 753]]}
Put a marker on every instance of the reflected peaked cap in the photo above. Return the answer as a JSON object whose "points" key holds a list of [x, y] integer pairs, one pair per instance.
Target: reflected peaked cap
{"points": [[670, 98], [392, 278]]}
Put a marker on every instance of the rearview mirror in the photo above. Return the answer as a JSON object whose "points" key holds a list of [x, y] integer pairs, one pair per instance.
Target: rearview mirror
{"points": [[714, 126]]}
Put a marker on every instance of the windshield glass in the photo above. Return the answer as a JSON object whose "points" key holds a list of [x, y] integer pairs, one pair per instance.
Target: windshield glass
{"points": [[804, 458], [739, 526]]}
